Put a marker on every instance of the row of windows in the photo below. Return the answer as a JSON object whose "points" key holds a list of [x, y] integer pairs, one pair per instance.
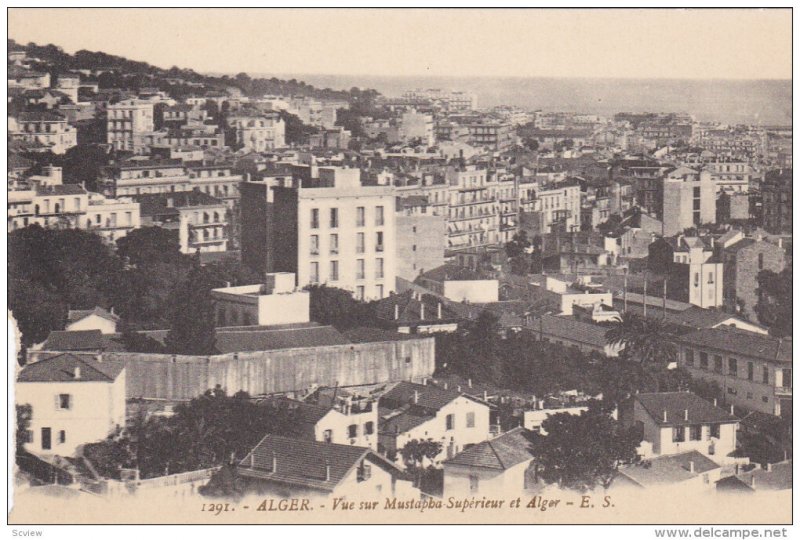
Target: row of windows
{"points": [[715, 363], [333, 274], [695, 432], [450, 421], [333, 243], [333, 221], [352, 431]]}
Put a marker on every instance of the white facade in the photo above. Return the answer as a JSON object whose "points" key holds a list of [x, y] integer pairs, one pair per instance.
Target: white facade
{"points": [[346, 236], [259, 133], [71, 413], [48, 129], [275, 302], [127, 122]]}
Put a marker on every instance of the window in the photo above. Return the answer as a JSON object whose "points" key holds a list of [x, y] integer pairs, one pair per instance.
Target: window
{"points": [[470, 419], [352, 431], [360, 216], [314, 244], [704, 360], [379, 291], [473, 483], [360, 292], [327, 435], [334, 244], [360, 242], [697, 279], [714, 430], [64, 401], [359, 268], [732, 367], [695, 432], [689, 357], [378, 268], [787, 378], [364, 472], [369, 428], [334, 218], [732, 390], [711, 278], [749, 395], [408, 360], [678, 434], [314, 273], [450, 421], [315, 218], [765, 375], [717, 363], [334, 275], [62, 437], [750, 369], [379, 241], [378, 216], [765, 399]]}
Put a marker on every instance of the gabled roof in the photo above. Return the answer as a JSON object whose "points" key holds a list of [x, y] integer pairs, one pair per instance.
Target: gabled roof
{"points": [[452, 272], [571, 329], [778, 477], [303, 463], [741, 343], [677, 404], [81, 340], [61, 368], [409, 309], [75, 315], [427, 396], [503, 452], [41, 116], [666, 470]]}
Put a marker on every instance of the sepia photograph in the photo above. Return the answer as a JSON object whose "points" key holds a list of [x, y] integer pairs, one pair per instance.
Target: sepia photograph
{"points": [[400, 266]]}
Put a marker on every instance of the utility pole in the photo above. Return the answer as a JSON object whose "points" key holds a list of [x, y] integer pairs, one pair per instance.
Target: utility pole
{"points": [[625, 292], [644, 302], [664, 300]]}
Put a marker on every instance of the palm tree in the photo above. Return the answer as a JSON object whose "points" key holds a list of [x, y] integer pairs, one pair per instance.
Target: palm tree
{"points": [[645, 339]]}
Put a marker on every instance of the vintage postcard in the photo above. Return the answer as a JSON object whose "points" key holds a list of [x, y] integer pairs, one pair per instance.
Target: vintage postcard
{"points": [[400, 266]]}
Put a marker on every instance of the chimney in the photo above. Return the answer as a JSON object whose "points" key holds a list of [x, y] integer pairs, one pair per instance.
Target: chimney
{"points": [[485, 396], [396, 311], [665, 415], [252, 460], [732, 409], [753, 481], [445, 385], [170, 202], [686, 414], [439, 311], [715, 402], [769, 467], [691, 466], [421, 311], [77, 373], [416, 396], [469, 382], [327, 471], [274, 463]]}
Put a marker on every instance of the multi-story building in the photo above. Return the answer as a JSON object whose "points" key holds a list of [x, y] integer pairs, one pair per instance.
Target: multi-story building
{"points": [[47, 128], [69, 84], [730, 176], [417, 125], [335, 137], [753, 370], [128, 123], [776, 195], [20, 77], [689, 200], [743, 258], [490, 134], [199, 219], [450, 100], [258, 131], [559, 206], [74, 400], [331, 230], [112, 218], [474, 212], [421, 237], [694, 273]]}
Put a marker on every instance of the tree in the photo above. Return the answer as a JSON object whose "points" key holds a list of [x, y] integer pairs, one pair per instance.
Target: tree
{"points": [[296, 131], [774, 307], [148, 245], [416, 451], [517, 252], [645, 339], [581, 452], [24, 416], [192, 316], [338, 308]]}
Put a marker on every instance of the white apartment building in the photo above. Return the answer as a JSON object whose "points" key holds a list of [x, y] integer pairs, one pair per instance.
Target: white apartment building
{"points": [[112, 218], [276, 301], [689, 200], [346, 234], [730, 176], [474, 213], [560, 206], [47, 128], [416, 125], [128, 123], [260, 132], [451, 100]]}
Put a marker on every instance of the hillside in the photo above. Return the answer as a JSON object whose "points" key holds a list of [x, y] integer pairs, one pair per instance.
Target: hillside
{"points": [[120, 72]]}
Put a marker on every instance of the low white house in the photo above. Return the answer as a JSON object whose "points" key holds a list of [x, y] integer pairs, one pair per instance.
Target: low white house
{"points": [[92, 319], [75, 399], [277, 301], [678, 422], [497, 466], [684, 474], [412, 411]]}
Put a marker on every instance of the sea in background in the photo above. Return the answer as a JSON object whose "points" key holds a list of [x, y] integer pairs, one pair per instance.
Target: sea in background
{"points": [[758, 102]]}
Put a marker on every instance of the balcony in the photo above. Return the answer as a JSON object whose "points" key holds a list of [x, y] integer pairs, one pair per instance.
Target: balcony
{"points": [[783, 391]]}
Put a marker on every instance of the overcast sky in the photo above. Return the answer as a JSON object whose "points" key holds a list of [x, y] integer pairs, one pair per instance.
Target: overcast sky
{"points": [[729, 44]]}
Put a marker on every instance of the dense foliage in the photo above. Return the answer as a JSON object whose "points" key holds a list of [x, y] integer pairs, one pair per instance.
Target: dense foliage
{"points": [[774, 306], [209, 431]]}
